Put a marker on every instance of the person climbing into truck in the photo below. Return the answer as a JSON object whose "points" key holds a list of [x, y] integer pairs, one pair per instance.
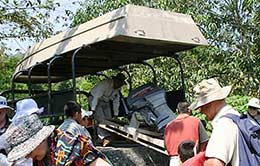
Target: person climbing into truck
{"points": [[104, 102]]}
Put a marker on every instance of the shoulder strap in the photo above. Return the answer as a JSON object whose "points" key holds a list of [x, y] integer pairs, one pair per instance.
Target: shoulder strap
{"points": [[234, 117]]}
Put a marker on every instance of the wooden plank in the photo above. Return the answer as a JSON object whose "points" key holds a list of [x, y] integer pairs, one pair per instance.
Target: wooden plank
{"points": [[135, 135], [137, 141], [148, 132]]}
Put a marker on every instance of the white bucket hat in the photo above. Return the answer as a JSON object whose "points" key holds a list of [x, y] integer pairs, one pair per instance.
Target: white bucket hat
{"points": [[86, 113], [254, 102], [3, 103], [26, 107], [25, 135], [207, 91]]}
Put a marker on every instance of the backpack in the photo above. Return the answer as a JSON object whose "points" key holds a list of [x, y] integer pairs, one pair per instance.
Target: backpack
{"points": [[248, 139]]}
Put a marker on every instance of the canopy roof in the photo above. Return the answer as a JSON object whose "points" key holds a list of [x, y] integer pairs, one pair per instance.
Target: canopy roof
{"points": [[127, 35]]}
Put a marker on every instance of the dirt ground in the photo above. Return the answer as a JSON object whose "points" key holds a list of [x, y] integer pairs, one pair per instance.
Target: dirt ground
{"points": [[135, 156]]}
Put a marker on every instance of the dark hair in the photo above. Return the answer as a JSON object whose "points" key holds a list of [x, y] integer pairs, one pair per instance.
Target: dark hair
{"points": [[185, 150], [71, 107], [183, 107]]}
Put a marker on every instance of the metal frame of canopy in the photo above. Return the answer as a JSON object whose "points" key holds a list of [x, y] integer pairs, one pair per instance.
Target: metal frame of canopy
{"points": [[127, 35]]}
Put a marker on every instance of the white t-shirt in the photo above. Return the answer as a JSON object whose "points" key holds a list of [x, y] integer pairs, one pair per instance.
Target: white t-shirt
{"points": [[104, 91], [223, 143]]}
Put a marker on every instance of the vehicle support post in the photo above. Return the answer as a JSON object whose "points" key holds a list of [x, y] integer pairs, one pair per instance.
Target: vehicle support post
{"points": [[30, 78], [176, 57], [154, 73], [49, 83], [13, 86], [74, 71]]}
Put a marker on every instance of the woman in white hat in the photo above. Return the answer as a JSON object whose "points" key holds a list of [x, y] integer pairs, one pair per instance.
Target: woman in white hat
{"points": [[24, 107], [28, 137], [254, 108]]}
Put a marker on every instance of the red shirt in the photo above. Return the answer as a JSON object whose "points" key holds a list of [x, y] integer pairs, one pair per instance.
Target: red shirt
{"points": [[184, 127]]}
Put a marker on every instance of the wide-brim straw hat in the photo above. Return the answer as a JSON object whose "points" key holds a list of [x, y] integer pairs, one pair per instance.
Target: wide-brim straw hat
{"points": [[207, 91], [254, 102], [25, 135]]}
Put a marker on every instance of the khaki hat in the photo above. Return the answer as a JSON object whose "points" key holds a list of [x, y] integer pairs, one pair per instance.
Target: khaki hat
{"points": [[207, 91], [254, 102]]}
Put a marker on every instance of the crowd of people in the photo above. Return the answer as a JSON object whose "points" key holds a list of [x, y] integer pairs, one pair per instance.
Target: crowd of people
{"points": [[25, 140], [187, 142]]}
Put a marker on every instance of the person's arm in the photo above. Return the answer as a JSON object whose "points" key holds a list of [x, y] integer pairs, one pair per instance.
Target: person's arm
{"points": [[99, 162], [213, 162], [203, 137]]}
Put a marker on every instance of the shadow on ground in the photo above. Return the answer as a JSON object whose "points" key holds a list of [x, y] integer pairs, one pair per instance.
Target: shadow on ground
{"points": [[135, 156]]}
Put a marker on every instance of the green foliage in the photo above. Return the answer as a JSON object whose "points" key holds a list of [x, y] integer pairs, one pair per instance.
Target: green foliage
{"points": [[239, 103], [31, 20], [7, 65], [204, 119], [25, 19]]}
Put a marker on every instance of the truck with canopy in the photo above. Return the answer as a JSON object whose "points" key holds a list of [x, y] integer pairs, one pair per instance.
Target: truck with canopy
{"points": [[128, 35]]}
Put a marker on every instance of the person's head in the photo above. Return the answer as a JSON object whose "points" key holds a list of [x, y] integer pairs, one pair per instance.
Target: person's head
{"points": [[254, 107], [118, 80], [210, 97], [26, 107], [183, 107], [73, 110], [27, 137], [86, 118], [186, 150], [4, 108]]}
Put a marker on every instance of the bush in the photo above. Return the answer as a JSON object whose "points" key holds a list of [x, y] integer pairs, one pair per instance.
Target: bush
{"points": [[238, 102]]}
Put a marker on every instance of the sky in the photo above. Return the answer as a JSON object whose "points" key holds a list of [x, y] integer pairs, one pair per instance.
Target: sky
{"points": [[64, 5]]}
